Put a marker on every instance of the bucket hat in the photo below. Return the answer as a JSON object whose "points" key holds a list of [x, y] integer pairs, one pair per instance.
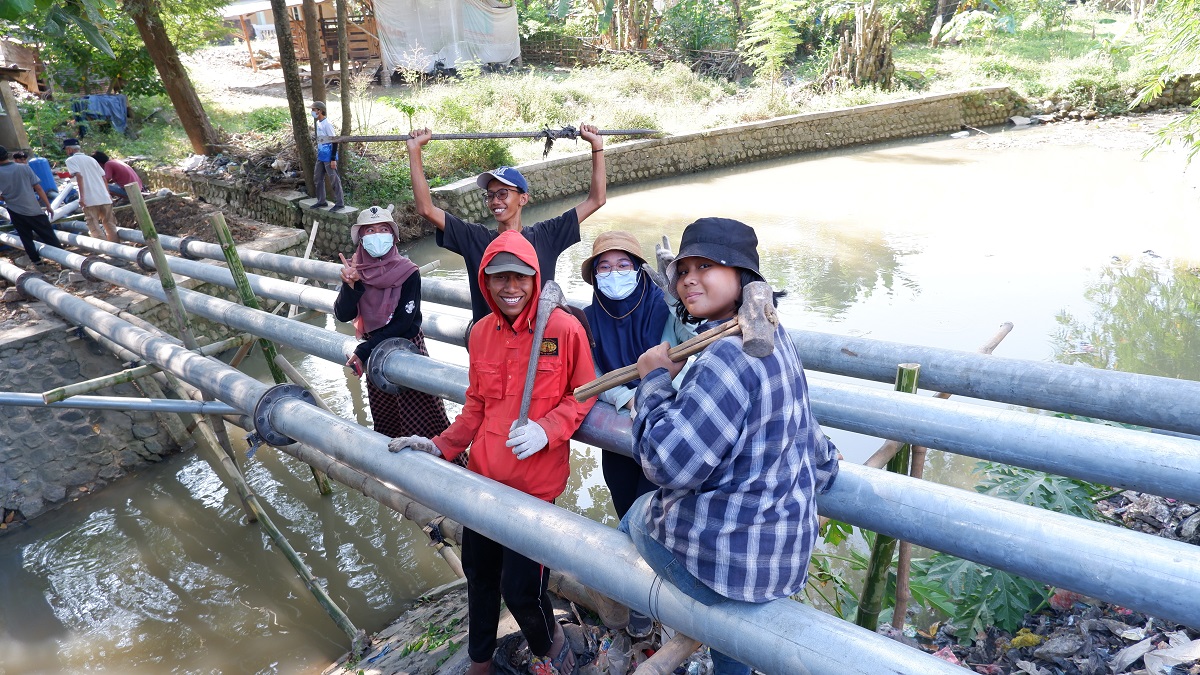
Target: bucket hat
{"points": [[506, 175], [723, 240], [372, 215], [618, 240]]}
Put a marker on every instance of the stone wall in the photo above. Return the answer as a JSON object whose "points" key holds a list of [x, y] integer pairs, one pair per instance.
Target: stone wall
{"points": [[636, 160], [52, 455]]}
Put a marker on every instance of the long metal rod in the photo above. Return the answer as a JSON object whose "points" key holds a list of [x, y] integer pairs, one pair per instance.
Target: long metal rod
{"points": [[167, 405], [1124, 458], [439, 326], [555, 134], [777, 637]]}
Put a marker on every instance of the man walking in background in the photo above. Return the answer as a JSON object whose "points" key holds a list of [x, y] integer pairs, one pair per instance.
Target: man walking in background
{"points": [[327, 157], [93, 192], [21, 190]]}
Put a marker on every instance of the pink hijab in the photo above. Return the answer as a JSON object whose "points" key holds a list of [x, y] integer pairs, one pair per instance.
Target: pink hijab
{"points": [[384, 277]]}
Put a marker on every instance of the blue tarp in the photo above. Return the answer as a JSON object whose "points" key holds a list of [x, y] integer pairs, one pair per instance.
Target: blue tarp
{"points": [[111, 107]]}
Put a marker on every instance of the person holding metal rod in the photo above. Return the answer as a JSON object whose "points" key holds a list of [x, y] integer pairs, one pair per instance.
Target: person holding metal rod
{"points": [[381, 295], [505, 192], [735, 450], [519, 436]]}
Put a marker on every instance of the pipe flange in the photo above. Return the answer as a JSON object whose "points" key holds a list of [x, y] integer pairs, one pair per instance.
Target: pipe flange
{"points": [[145, 259], [26, 276], [183, 247], [266, 404], [379, 355], [85, 268]]}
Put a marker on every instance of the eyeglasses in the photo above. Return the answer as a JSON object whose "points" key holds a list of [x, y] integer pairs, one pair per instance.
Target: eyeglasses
{"points": [[500, 194], [604, 269]]}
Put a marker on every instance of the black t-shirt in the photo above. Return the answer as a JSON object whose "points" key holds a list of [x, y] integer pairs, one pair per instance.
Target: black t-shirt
{"points": [[406, 318], [549, 238]]}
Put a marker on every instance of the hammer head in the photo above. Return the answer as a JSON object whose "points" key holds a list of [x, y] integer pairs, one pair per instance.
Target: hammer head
{"points": [[757, 320], [550, 297]]}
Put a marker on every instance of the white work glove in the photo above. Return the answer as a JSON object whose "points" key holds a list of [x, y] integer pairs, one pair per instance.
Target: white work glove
{"points": [[526, 440], [418, 443]]}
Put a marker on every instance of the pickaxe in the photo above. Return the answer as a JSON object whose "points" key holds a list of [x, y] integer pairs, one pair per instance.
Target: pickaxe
{"points": [[550, 299], [755, 322]]}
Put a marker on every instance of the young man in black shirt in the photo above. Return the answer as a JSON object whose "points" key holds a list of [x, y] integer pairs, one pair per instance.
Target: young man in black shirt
{"points": [[506, 193]]}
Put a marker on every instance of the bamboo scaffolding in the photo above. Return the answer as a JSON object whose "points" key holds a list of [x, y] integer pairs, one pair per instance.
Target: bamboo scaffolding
{"points": [[131, 374], [870, 603], [669, 656]]}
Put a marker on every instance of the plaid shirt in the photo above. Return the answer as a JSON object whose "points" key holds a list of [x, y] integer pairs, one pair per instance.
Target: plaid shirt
{"points": [[739, 459]]}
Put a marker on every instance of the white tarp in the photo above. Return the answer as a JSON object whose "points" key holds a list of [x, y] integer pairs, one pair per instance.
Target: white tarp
{"points": [[416, 34]]}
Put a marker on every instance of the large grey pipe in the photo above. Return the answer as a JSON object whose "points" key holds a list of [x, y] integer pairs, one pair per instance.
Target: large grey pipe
{"points": [[439, 326], [1164, 465], [1146, 400], [777, 637], [1092, 558], [1120, 457]]}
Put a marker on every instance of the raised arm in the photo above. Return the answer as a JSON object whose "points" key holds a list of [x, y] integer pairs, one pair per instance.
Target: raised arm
{"points": [[422, 199], [597, 192]]}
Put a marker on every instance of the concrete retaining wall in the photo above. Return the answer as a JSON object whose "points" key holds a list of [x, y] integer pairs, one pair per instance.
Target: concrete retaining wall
{"points": [[51, 455], [635, 161]]}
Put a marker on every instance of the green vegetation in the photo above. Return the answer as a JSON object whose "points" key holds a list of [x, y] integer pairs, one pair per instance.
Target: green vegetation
{"points": [[435, 636]]}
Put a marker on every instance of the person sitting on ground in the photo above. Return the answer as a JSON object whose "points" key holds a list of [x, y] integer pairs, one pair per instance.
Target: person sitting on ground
{"points": [[735, 449], [327, 161], [93, 192], [381, 294], [117, 175], [21, 191], [532, 458], [505, 192]]}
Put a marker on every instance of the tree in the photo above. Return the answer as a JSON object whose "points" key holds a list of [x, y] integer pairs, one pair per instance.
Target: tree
{"points": [[1173, 48], [54, 17], [344, 65], [175, 78], [295, 93], [316, 55], [772, 37]]}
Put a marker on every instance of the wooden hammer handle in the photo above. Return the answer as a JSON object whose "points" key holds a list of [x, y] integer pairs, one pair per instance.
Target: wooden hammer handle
{"points": [[677, 353]]}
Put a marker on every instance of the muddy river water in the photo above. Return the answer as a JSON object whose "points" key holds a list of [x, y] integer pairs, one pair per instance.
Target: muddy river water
{"points": [[1092, 252]]}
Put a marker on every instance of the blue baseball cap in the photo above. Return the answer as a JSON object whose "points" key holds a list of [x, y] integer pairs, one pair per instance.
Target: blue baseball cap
{"points": [[506, 175]]}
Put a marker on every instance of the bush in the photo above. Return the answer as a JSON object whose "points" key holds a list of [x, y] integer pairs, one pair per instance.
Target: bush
{"points": [[269, 120], [42, 120], [695, 25], [379, 178]]}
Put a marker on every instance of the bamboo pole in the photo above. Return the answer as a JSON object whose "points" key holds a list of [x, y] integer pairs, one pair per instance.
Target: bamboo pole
{"points": [[178, 314], [229, 248], [131, 374], [870, 602], [669, 656]]}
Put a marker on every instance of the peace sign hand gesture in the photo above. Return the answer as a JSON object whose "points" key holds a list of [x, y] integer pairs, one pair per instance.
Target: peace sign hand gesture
{"points": [[350, 274]]}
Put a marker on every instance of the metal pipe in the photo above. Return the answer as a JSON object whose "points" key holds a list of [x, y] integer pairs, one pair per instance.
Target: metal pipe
{"points": [[1163, 465], [154, 405], [438, 326], [777, 637]]}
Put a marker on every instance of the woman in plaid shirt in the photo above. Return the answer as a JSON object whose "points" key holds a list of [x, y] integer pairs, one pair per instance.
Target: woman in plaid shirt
{"points": [[736, 453]]}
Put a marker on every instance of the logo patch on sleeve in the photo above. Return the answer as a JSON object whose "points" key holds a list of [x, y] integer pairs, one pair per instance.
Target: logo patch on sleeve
{"points": [[549, 347]]}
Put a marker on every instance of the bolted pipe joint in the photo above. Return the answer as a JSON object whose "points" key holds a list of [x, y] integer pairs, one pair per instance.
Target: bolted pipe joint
{"points": [[183, 248], [24, 278], [266, 406], [85, 267], [145, 259], [379, 357]]}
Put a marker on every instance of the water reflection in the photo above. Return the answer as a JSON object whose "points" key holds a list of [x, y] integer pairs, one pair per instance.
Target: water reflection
{"points": [[1145, 319]]}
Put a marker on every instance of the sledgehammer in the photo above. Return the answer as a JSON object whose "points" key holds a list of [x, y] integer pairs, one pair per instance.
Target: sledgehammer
{"points": [[755, 322]]}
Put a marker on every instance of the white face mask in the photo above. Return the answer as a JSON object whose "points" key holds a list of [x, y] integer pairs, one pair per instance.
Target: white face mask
{"points": [[377, 244], [617, 285], [316, 114]]}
